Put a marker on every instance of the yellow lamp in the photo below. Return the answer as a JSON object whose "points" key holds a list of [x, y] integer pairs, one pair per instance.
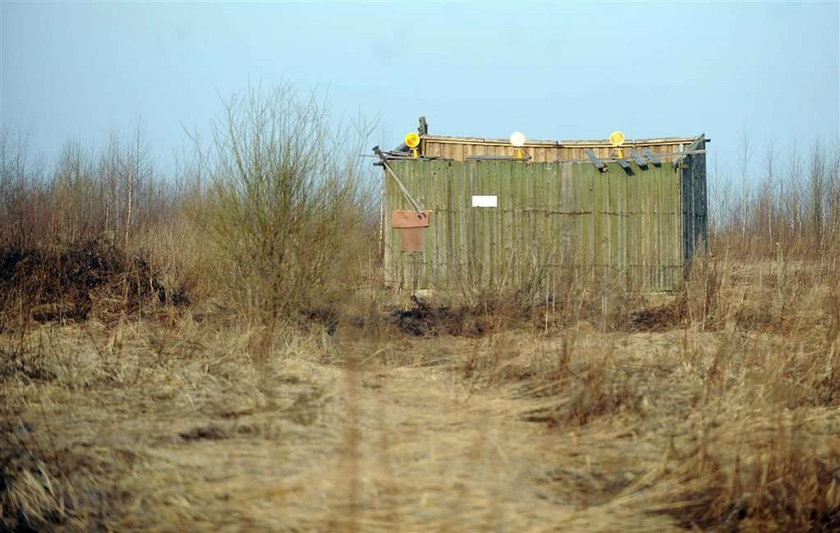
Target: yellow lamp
{"points": [[412, 140], [617, 139]]}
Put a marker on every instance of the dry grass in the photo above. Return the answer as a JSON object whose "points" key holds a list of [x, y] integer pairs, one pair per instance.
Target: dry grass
{"points": [[723, 419]]}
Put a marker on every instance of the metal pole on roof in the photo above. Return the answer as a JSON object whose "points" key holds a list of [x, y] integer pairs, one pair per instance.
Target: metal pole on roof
{"points": [[414, 204]]}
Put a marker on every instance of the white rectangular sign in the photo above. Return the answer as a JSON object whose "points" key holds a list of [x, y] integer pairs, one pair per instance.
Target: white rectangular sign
{"points": [[484, 201]]}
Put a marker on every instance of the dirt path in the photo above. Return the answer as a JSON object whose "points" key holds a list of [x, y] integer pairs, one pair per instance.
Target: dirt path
{"points": [[135, 428], [405, 449], [128, 437]]}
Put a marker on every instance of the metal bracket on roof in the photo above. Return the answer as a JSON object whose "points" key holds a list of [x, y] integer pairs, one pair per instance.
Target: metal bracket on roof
{"points": [[600, 165], [625, 165], [650, 155], [414, 203], [697, 146], [639, 160], [698, 143], [394, 155]]}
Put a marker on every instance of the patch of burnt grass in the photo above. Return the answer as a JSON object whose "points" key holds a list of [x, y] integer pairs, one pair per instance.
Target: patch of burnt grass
{"points": [[661, 318], [210, 432], [63, 283], [424, 320]]}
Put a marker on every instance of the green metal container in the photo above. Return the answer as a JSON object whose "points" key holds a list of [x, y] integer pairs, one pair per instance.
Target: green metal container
{"points": [[498, 223]]}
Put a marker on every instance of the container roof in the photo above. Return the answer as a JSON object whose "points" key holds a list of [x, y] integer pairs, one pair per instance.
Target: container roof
{"points": [[464, 148], [569, 143], [450, 147]]}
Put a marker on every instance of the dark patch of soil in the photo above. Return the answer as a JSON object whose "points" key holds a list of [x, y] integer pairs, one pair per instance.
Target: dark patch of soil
{"points": [[662, 318], [204, 433], [424, 320]]}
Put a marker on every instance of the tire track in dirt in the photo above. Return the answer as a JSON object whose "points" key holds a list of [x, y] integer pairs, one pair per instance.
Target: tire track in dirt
{"points": [[414, 450]]}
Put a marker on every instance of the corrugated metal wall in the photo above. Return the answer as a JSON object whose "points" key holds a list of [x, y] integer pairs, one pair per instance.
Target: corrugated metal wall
{"points": [[552, 219], [460, 148], [695, 211]]}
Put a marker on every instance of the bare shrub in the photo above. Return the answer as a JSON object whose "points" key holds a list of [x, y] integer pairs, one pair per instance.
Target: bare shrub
{"points": [[284, 208]]}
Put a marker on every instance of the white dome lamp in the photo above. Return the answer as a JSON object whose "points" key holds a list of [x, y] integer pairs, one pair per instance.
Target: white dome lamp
{"points": [[517, 140]]}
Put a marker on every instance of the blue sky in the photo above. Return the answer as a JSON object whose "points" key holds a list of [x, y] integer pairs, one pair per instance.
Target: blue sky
{"points": [[554, 71]]}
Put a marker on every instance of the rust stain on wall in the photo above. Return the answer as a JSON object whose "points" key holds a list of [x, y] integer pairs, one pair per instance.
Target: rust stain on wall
{"points": [[406, 218]]}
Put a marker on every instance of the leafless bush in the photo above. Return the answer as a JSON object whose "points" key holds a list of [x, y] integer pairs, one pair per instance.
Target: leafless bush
{"points": [[285, 208]]}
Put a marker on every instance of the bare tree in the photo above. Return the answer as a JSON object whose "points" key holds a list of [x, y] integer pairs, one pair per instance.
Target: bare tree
{"points": [[744, 156], [816, 186]]}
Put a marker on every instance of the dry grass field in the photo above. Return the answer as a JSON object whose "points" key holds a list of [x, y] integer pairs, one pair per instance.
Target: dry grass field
{"points": [[673, 417], [208, 353]]}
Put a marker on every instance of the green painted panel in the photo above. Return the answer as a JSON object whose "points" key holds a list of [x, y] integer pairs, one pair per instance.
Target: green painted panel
{"points": [[633, 231], [549, 215]]}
